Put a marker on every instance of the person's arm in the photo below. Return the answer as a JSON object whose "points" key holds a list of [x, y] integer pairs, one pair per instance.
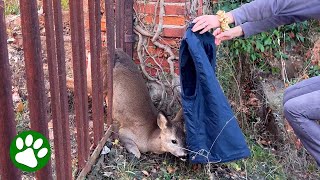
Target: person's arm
{"points": [[261, 15], [255, 27]]}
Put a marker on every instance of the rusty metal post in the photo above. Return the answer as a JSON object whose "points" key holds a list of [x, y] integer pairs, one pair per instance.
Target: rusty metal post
{"points": [[83, 68], [129, 37], [95, 73], [58, 93], [120, 24], [54, 88], [34, 74], [110, 55], [100, 79], [80, 79], [63, 89], [7, 123]]}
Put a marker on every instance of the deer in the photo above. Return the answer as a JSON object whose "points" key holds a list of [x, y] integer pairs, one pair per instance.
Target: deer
{"points": [[142, 128]]}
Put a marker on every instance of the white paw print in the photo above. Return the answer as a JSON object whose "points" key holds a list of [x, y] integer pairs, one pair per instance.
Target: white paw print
{"points": [[28, 157]]}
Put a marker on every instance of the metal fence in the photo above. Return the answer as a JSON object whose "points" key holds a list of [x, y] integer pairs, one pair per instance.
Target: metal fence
{"points": [[119, 16]]}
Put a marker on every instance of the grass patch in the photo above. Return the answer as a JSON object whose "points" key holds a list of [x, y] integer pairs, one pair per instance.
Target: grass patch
{"points": [[65, 4], [12, 7], [262, 164], [119, 164]]}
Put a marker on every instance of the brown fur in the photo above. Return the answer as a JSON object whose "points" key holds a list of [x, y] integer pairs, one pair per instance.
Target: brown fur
{"points": [[142, 128]]}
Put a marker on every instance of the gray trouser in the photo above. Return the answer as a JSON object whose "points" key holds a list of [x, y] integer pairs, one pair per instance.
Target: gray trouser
{"points": [[302, 110]]}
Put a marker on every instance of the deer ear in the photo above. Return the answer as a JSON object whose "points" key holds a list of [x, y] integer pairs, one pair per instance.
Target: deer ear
{"points": [[179, 116], [162, 121]]}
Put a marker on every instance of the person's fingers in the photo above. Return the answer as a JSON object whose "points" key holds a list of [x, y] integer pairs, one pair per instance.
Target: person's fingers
{"points": [[216, 31], [222, 35], [217, 42], [205, 29], [199, 25], [197, 19], [224, 38]]}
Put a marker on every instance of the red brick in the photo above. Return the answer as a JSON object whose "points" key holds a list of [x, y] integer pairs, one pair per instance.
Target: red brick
{"points": [[170, 1], [167, 20], [174, 10], [176, 1], [151, 71], [173, 32], [154, 50], [169, 9], [169, 41]]}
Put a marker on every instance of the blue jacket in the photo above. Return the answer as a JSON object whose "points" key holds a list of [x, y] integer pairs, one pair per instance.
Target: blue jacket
{"points": [[212, 131]]}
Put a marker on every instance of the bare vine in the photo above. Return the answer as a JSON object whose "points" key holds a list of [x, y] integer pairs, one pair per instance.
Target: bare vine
{"points": [[151, 33], [154, 35]]}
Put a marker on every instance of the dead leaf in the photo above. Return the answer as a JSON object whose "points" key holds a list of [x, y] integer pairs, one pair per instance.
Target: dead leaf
{"points": [[264, 142], [20, 107], [107, 174], [253, 102], [235, 166], [298, 144], [305, 76], [196, 167], [292, 35], [115, 142], [90, 124], [51, 136], [15, 95], [286, 85], [145, 172], [153, 170], [171, 170], [50, 124]]}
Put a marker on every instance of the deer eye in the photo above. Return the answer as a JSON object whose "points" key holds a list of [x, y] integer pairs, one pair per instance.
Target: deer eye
{"points": [[174, 141]]}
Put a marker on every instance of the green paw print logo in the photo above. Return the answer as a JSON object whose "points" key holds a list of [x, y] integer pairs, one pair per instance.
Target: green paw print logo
{"points": [[30, 151]]}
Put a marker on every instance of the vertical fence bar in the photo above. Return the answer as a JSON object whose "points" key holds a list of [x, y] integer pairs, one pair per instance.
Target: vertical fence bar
{"points": [[7, 123], [79, 72], [77, 81], [120, 24], [63, 89], [110, 55], [83, 66], [54, 89], [95, 65], [34, 74], [129, 27], [100, 79]]}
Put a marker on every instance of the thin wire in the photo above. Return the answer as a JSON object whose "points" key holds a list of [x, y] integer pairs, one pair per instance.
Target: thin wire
{"points": [[202, 152], [222, 131]]}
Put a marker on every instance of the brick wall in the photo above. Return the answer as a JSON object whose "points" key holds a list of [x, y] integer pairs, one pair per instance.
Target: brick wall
{"points": [[174, 21]]}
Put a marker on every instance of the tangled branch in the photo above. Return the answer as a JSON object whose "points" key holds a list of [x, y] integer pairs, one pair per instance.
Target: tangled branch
{"points": [[142, 31]]}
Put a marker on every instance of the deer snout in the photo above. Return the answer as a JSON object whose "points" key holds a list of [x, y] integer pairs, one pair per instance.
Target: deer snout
{"points": [[181, 153]]}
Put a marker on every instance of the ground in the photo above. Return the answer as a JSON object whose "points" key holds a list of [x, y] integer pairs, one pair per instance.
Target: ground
{"points": [[269, 160]]}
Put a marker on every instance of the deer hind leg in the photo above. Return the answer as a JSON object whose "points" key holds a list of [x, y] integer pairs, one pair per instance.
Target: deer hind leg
{"points": [[130, 145]]}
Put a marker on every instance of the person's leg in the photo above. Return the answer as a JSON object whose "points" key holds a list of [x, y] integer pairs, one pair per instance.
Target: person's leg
{"points": [[302, 112], [303, 87]]}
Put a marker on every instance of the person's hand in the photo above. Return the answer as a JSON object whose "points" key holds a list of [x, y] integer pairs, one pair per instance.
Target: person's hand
{"points": [[205, 22], [227, 35]]}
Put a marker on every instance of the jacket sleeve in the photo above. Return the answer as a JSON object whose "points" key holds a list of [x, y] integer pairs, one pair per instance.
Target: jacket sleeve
{"points": [[255, 27], [261, 15]]}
